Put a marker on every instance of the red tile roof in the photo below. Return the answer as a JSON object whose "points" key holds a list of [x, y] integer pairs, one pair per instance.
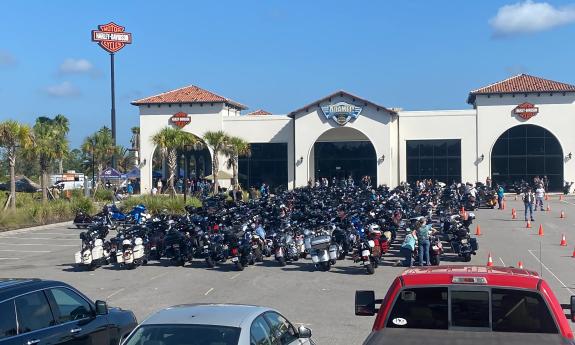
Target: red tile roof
{"points": [[188, 94], [522, 83], [259, 112]]}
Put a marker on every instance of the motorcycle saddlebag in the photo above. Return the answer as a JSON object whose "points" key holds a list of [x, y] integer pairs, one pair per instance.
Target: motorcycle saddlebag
{"points": [[474, 244], [78, 257], [321, 242]]}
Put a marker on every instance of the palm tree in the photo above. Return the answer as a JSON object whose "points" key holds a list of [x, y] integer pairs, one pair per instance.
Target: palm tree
{"points": [[62, 127], [237, 147], [51, 145], [124, 159], [100, 147], [218, 142], [170, 140], [14, 135]]}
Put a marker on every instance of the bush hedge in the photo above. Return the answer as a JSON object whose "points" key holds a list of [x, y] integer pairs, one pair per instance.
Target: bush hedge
{"points": [[160, 203]]}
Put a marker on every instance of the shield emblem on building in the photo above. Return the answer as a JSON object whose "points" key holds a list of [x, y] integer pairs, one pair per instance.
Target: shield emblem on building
{"points": [[341, 112], [526, 110], [180, 119]]}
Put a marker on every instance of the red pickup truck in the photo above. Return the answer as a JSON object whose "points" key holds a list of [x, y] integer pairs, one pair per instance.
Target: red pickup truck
{"points": [[467, 305]]}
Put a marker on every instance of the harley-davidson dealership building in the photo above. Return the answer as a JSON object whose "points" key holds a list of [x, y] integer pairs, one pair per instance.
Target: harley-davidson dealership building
{"points": [[515, 129]]}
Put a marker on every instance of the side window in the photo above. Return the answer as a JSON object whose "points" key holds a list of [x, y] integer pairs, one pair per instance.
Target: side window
{"points": [[470, 308], [71, 306], [33, 312], [425, 308], [7, 320], [520, 311], [260, 332], [281, 330]]}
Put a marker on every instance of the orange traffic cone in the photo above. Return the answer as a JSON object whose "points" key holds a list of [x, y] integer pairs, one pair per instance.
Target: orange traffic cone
{"points": [[573, 255], [563, 241], [560, 197], [546, 197], [503, 205], [562, 214], [513, 213], [548, 208], [478, 230], [489, 260], [541, 230], [528, 224], [520, 264]]}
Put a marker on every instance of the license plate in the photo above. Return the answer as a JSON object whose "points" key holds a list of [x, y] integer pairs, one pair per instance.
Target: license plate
{"points": [[234, 259], [435, 248], [365, 253]]}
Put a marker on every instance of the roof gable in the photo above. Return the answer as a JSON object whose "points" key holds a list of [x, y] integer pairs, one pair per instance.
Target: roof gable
{"points": [[188, 94], [342, 93], [259, 112], [521, 83]]}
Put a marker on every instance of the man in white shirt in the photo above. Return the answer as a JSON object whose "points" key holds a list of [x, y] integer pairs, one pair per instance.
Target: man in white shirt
{"points": [[539, 195]]}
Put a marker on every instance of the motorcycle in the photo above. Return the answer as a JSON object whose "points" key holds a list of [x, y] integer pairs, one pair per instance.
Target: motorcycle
{"points": [[93, 253], [324, 252]]}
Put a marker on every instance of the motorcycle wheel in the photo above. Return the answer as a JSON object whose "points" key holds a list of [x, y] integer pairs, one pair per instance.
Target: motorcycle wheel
{"points": [[239, 266], [467, 257], [325, 266], [210, 262], [370, 269], [341, 255], [435, 260], [181, 262], [282, 261], [258, 254]]}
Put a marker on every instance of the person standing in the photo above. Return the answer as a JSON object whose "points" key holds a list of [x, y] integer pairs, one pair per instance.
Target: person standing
{"points": [[488, 182], [500, 195], [159, 186], [528, 199], [422, 230], [407, 249], [539, 196], [130, 189]]}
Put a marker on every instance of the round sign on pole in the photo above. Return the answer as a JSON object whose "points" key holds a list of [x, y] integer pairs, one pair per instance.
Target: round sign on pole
{"points": [[111, 37]]}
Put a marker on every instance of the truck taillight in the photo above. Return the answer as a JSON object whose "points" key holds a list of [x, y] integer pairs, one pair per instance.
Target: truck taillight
{"points": [[469, 280]]}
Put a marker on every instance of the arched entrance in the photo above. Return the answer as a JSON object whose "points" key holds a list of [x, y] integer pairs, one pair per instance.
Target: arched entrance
{"points": [[341, 153], [524, 152]]}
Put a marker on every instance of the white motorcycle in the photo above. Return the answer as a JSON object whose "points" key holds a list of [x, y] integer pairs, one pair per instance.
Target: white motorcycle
{"points": [[92, 255], [132, 254], [323, 253]]}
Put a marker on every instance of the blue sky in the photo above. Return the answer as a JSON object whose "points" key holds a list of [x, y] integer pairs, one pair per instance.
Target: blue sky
{"points": [[276, 55]]}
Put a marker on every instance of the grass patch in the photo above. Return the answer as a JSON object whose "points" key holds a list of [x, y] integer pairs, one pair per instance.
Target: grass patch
{"points": [[160, 203]]}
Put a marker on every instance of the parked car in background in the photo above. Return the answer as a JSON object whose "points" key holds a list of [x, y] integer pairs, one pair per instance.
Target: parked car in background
{"points": [[42, 312], [218, 324], [467, 305]]}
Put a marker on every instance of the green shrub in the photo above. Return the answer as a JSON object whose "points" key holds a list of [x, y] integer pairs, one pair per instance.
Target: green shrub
{"points": [[104, 195], [160, 203], [82, 204]]}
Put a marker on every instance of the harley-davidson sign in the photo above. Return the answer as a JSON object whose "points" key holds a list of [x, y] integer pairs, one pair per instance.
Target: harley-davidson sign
{"points": [[526, 110], [180, 119], [112, 37], [341, 112]]}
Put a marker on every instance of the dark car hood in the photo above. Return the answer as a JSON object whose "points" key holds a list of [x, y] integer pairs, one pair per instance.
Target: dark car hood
{"points": [[397, 336]]}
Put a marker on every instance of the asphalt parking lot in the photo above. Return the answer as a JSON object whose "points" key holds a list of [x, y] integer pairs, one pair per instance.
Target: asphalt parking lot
{"points": [[322, 301]]}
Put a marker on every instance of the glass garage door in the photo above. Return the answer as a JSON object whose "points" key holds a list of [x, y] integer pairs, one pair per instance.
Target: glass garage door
{"points": [[524, 152], [438, 160]]}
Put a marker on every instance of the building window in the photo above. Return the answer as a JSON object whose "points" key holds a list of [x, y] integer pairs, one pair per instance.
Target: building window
{"points": [[524, 152], [438, 160], [267, 163]]}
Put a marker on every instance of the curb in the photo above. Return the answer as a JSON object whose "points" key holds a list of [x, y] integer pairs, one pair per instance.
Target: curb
{"points": [[35, 228]]}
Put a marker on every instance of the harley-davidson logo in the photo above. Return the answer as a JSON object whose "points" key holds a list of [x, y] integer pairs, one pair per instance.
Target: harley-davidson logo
{"points": [[180, 119], [341, 112], [111, 37], [526, 110]]}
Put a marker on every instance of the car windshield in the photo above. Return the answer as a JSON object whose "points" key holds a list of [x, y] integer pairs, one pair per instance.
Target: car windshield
{"points": [[184, 335]]}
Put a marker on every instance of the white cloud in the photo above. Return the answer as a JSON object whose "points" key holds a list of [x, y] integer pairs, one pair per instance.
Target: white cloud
{"points": [[529, 17], [6, 58], [76, 66], [64, 89]]}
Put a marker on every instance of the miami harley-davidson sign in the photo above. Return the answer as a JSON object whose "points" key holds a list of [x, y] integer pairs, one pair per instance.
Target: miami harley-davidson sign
{"points": [[526, 110], [341, 112], [111, 37], [180, 119]]}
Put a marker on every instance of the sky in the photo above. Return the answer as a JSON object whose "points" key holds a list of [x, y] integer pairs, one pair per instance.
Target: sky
{"points": [[276, 55]]}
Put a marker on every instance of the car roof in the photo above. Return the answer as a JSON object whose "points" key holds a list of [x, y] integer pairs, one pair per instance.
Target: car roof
{"points": [[12, 287], [231, 315], [495, 275]]}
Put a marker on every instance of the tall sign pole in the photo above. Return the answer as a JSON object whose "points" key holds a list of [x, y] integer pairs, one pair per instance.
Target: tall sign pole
{"points": [[112, 37]]}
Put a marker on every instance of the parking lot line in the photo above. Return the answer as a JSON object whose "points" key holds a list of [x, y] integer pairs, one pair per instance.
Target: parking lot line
{"points": [[25, 251], [235, 276], [208, 292], [115, 293], [553, 274], [159, 275]]}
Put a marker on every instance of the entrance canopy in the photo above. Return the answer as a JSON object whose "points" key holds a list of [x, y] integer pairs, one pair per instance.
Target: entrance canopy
{"points": [[111, 173]]}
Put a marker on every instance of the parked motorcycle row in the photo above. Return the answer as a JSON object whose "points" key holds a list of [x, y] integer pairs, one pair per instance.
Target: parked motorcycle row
{"points": [[323, 224]]}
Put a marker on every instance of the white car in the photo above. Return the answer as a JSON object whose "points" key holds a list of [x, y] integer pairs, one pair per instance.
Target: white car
{"points": [[218, 324]]}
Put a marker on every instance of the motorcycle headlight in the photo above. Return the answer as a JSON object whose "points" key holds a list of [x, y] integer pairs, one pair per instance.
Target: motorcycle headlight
{"points": [[464, 241]]}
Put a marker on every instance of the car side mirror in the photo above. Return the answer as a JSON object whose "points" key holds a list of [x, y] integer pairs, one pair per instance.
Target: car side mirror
{"points": [[101, 308], [365, 303], [572, 309], [304, 332]]}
